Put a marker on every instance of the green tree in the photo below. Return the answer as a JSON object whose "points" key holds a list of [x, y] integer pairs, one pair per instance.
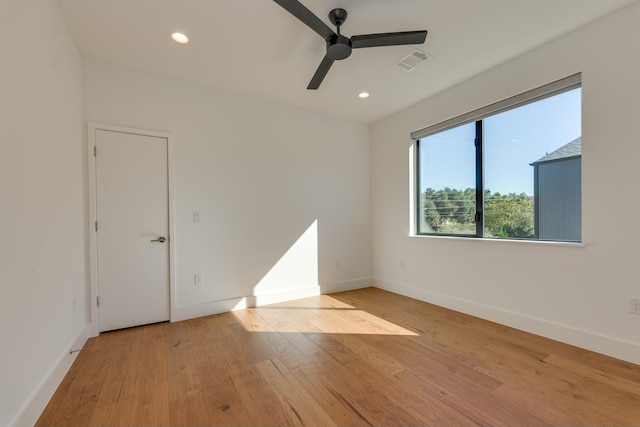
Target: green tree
{"points": [[508, 216], [431, 215], [505, 216], [444, 206], [465, 206]]}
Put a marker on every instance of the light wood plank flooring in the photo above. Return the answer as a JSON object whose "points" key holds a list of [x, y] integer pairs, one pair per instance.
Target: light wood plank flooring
{"points": [[358, 358]]}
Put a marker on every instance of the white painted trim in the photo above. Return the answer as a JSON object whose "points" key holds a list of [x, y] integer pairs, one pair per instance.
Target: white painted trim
{"points": [[348, 285], [223, 306], [413, 184], [619, 349], [487, 240], [33, 407], [93, 243], [172, 234]]}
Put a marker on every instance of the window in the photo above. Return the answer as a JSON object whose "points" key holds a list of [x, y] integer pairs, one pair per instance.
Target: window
{"points": [[511, 170]]}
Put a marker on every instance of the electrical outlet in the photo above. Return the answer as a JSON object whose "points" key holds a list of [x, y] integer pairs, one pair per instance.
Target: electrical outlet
{"points": [[74, 303], [634, 306], [401, 265], [338, 265]]}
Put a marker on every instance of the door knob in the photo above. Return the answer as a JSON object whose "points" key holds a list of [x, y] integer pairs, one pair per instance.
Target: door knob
{"points": [[160, 239]]}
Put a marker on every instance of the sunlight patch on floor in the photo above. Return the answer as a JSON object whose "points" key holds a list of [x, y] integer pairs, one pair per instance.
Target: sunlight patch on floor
{"points": [[316, 315]]}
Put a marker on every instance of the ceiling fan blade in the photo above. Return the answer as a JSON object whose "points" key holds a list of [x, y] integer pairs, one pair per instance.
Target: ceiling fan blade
{"points": [[307, 17], [388, 39], [322, 71]]}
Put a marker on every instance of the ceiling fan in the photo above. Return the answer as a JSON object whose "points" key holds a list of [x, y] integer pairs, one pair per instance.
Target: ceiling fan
{"points": [[338, 46]]}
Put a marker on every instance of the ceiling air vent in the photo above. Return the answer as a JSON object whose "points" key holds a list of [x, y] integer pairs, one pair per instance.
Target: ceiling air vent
{"points": [[412, 60]]}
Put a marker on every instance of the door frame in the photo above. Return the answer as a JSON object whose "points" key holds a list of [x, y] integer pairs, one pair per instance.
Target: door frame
{"points": [[93, 241]]}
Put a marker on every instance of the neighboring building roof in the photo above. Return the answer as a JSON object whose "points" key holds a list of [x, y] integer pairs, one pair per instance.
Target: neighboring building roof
{"points": [[572, 149]]}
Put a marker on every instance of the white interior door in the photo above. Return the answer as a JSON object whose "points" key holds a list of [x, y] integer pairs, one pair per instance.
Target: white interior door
{"points": [[132, 213]]}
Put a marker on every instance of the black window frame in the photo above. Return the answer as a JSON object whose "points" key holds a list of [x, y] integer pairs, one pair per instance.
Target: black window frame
{"points": [[546, 91]]}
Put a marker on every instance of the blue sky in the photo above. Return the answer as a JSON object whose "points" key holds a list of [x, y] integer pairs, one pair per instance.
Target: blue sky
{"points": [[512, 141]]}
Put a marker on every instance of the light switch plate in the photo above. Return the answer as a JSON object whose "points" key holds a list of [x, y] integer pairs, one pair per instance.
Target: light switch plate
{"points": [[198, 279]]}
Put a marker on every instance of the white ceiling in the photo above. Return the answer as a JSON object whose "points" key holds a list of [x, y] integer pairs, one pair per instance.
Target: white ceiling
{"points": [[257, 48]]}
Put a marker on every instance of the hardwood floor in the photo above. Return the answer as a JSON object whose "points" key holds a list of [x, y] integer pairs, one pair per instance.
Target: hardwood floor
{"points": [[362, 358]]}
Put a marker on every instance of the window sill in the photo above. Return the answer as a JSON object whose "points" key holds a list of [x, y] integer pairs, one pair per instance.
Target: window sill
{"points": [[501, 241]]}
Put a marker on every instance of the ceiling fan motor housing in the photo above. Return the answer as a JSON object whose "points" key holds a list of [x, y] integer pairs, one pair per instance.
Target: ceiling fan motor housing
{"points": [[338, 47]]}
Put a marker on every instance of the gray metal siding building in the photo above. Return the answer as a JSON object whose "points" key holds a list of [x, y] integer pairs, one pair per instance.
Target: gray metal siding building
{"points": [[558, 194]]}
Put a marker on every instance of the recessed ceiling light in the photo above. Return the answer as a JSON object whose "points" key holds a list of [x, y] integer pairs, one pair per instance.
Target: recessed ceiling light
{"points": [[363, 95], [180, 38]]}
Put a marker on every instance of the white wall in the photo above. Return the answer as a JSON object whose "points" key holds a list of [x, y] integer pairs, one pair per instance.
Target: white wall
{"points": [[284, 194], [576, 294], [42, 254], [285, 198]]}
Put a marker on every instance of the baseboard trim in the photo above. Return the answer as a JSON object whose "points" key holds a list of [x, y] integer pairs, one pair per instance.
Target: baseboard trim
{"points": [[32, 409], [350, 285], [223, 306], [584, 339]]}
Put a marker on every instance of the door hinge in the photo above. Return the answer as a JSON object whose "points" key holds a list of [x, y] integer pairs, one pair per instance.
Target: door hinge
{"points": [[96, 225], [98, 301], [95, 151]]}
